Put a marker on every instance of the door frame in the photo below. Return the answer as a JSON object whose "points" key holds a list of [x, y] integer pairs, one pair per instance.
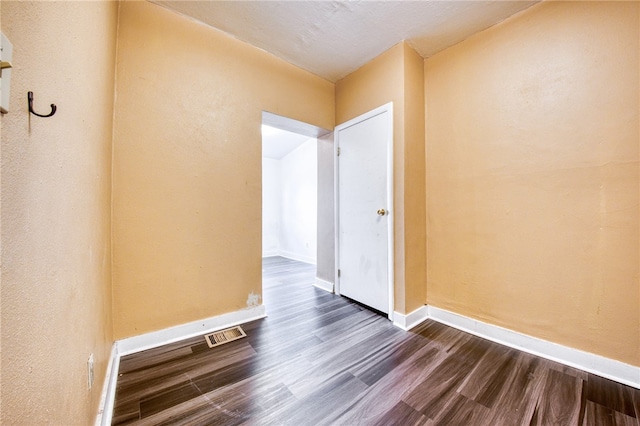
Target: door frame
{"points": [[386, 108], [292, 125]]}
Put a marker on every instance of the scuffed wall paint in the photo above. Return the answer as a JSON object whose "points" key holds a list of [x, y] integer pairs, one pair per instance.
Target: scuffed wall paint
{"points": [[253, 300]]}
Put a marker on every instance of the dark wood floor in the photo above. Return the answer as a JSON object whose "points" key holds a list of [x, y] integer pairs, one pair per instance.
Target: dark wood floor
{"points": [[319, 359]]}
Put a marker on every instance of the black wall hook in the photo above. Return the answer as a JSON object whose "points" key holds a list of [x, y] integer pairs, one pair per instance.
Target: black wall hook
{"points": [[30, 99]]}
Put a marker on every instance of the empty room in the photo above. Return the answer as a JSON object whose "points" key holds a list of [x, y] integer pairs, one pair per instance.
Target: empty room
{"points": [[474, 253]]}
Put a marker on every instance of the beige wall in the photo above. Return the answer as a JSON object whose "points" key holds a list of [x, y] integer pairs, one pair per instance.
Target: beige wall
{"points": [[414, 177], [532, 176], [396, 76], [187, 166], [56, 296]]}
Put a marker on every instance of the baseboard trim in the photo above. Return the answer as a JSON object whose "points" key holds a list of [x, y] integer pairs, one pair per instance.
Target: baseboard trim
{"points": [[324, 285], [108, 395], [592, 363], [173, 334], [410, 320], [162, 337], [298, 257], [596, 364]]}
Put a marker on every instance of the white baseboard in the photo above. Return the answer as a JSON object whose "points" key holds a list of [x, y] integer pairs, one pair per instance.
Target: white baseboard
{"points": [[108, 395], [184, 331], [297, 256], [323, 285], [162, 337], [596, 364], [290, 255], [407, 322]]}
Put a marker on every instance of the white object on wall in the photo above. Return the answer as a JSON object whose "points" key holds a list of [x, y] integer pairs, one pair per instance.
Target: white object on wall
{"points": [[6, 53]]}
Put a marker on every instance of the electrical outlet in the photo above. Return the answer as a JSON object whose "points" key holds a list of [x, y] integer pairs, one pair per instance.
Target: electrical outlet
{"points": [[90, 371]]}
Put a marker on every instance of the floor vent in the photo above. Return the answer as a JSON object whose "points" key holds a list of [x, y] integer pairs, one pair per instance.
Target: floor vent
{"points": [[224, 336]]}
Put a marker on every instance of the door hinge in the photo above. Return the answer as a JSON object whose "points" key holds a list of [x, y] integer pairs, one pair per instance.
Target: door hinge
{"points": [[338, 151], [338, 273]]}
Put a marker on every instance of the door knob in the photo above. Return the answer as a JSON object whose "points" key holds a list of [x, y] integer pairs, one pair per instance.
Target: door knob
{"points": [[382, 212]]}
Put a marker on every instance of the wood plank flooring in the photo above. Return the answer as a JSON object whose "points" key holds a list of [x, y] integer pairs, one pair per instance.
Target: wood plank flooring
{"points": [[319, 359]]}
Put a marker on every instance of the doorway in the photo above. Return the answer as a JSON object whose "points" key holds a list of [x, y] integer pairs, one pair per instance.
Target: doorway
{"points": [[289, 195], [293, 223]]}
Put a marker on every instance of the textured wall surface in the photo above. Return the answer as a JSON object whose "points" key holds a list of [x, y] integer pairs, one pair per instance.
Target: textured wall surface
{"points": [[532, 176], [415, 248], [56, 194], [187, 166]]}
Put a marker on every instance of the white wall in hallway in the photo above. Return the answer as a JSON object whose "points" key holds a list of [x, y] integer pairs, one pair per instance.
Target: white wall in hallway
{"points": [[271, 206], [289, 195]]}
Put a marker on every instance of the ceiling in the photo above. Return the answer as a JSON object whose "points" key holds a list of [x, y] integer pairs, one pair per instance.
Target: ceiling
{"points": [[277, 143], [334, 38]]}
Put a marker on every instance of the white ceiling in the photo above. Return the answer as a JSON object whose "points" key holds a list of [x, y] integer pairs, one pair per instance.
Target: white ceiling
{"points": [[277, 143], [333, 38]]}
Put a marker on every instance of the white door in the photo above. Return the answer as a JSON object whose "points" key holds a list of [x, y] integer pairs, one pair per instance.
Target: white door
{"points": [[364, 225]]}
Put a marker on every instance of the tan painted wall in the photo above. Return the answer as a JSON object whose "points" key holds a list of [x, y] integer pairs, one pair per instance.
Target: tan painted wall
{"points": [[187, 166], [532, 176], [414, 186], [56, 297], [396, 76]]}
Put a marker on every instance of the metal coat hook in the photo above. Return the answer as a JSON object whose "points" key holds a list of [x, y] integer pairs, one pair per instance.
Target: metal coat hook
{"points": [[30, 99]]}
